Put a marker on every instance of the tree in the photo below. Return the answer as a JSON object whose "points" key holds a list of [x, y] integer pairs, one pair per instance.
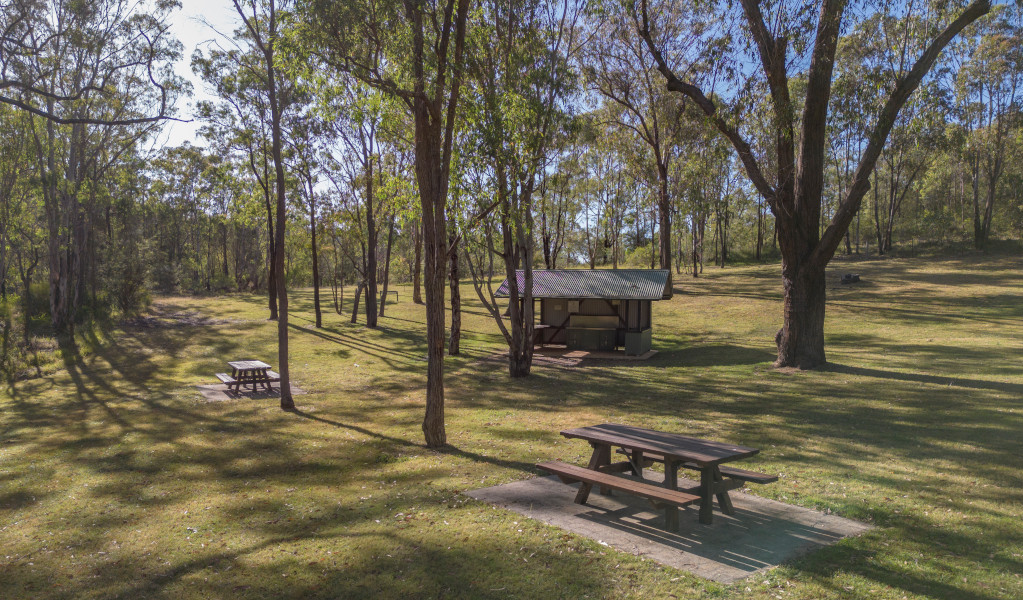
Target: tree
{"points": [[262, 21], [521, 78], [54, 55], [423, 44], [621, 70], [240, 122], [90, 105], [990, 88], [796, 194]]}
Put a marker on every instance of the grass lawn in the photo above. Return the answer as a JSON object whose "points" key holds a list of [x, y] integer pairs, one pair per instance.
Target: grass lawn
{"points": [[118, 481]]}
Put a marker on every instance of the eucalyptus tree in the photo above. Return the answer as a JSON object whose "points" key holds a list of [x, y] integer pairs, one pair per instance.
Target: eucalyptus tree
{"points": [[989, 89], [15, 167], [357, 115], [97, 79], [55, 54], [304, 133], [619, 68], [263, 28], [558, 200], [522, 81], [238, 121], [411, 50], [810, 31]]}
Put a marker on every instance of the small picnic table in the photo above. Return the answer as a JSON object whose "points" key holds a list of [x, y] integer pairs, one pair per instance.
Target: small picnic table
{"points": [[642, 447], [253, 373]]}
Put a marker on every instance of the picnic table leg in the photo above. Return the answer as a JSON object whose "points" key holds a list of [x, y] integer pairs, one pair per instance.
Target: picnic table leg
{"points": [[723, 500], [636, 460], [707, 495], [671, 482], [601, 456]]}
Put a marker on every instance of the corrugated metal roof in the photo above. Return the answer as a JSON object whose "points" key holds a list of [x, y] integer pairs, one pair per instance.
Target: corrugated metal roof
{"points": [[611, 284]]}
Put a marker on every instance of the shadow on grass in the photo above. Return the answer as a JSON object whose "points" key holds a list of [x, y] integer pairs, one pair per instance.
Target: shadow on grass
{"points": [[951, 381], [448, 449]]}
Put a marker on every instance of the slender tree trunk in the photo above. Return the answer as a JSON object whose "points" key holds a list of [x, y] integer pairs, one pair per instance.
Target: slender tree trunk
{"points": [[271, 259], [267, 46], [455, 336], [387, 266], [316, 258], [664, 215], [371, 254]]}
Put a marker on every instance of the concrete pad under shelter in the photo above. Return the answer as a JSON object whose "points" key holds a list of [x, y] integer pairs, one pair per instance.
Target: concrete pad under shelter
{"points": [[759, 536]]}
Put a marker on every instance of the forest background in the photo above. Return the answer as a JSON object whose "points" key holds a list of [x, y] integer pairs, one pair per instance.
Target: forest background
{"points": [[566, 150]]}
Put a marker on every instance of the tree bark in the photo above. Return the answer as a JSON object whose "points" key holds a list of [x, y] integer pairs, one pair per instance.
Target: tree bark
{"points": [[371, 253], [664, 215], [417, 264], [355, 301], [387, 266], [455, 336], [316, 258]]}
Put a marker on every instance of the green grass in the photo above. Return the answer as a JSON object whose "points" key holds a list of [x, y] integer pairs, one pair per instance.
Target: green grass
{"points": [[117, 481]]}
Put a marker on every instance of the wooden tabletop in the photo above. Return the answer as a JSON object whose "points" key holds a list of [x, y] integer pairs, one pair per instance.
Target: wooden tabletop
{"points": [[670, 445], [246, 365]]}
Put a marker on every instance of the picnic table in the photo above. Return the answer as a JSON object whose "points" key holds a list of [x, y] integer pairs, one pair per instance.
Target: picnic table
{"points": [[539, 334], [253, 373], [643, 447]]}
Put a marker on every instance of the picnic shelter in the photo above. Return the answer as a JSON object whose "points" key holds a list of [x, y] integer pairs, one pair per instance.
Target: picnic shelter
{"points": [[595, 310]]}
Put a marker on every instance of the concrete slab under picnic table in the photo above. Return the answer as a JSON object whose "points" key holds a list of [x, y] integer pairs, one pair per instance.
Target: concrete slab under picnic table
{"points": [[218, 392], [760, 535]]}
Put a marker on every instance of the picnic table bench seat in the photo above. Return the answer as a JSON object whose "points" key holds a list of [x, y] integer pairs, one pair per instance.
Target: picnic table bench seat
{"points": [[272, 376], [225, 378], [731, 472], [660, 497]]}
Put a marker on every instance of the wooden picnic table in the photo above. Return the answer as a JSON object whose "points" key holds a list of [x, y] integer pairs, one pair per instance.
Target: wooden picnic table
{"points": [[253, 373], [642, 447]]}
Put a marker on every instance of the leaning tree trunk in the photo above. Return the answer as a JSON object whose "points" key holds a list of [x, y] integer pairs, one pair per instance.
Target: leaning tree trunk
{"points": [[355, 301]]}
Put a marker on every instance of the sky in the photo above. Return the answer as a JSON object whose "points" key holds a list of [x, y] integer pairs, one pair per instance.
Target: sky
{"points": [[187, 26]]}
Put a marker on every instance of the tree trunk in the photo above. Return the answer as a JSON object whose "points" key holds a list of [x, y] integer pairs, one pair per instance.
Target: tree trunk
{"points": [[355, 301], [801, 339], [664, 216], [387, 266], [276, 116], [455, 336], [417, 264], [371, 254], [271, 258], [316, 259]]}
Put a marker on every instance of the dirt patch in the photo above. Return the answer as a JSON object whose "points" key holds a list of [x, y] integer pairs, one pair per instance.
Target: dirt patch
{"points": [[160, 317]]}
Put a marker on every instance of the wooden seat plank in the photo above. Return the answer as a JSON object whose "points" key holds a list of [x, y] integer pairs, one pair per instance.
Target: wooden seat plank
{"points": [[657, 495]]}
